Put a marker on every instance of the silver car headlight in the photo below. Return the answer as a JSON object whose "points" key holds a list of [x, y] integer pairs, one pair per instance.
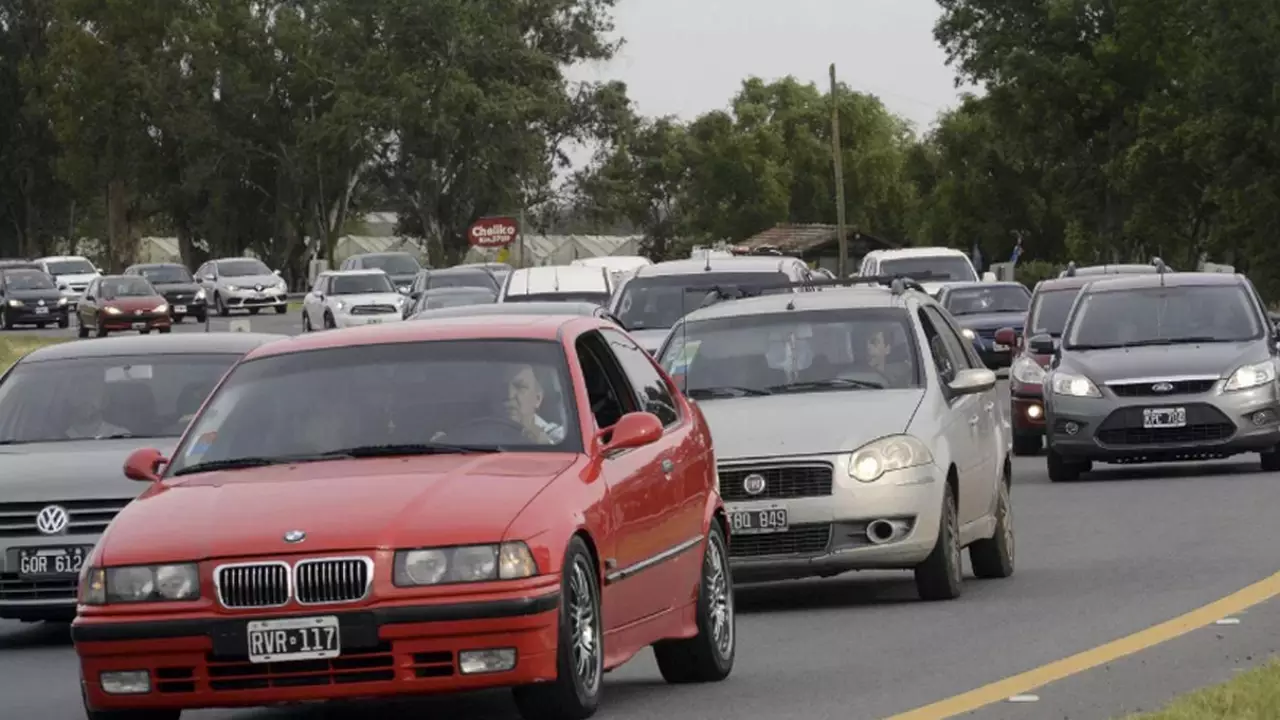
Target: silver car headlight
{"points": [[140, 583], [1251, 376], [1027, 371], [200, 294], [232, 288], [896, 452], [468, 563], [62, 301], [968, 334], [1073, 385], [15, 303]]}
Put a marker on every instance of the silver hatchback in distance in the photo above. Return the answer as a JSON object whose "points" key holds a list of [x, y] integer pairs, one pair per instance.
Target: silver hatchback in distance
{"points": [[70, 414], [1162, 367], [854, 429]]}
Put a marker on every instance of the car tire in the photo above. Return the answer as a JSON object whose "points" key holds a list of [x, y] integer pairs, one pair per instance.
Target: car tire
{"points": [[1060, 469], [164, 330], [219, 306], [64, 322], [1026, 445], [329, 322], [1271, 460], [940, 576], [81, 329], [992, 558], [201, 317], [102, 329], [282, 309], [177, 319], [306, 322], [707, 656], [575, 694]]}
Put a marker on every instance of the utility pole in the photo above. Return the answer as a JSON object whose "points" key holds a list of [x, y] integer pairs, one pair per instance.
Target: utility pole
{"points": [[843, 263]]}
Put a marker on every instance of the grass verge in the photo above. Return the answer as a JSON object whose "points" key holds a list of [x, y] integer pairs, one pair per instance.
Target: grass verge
{"points": [[1252, 695], [12, 348]]}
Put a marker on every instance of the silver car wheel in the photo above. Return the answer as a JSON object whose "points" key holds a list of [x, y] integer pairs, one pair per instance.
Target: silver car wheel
{"points": [[720, 605], [584, 627]]}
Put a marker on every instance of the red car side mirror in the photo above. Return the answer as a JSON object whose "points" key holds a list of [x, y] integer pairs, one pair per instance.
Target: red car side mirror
{"points": [[634, 430], [1006, 336], [144, 465]]}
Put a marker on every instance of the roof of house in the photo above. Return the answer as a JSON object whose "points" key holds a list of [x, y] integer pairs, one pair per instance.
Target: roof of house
{"points": [[799, 239]]}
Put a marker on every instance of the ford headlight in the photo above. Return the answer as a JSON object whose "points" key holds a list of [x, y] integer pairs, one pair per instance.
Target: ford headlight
{"points": [[1251, 376], [469, 563], [1073, 385], [896, 452], [140, 583], [1027, 371], [200, 294], [15, 303]]}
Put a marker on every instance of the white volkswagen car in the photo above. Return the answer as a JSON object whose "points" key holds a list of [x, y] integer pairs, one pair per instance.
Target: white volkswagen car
{"points": [[347, 298]]}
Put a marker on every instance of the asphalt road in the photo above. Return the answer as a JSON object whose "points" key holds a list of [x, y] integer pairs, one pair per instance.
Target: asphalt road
{"points": [[1096, 560]]}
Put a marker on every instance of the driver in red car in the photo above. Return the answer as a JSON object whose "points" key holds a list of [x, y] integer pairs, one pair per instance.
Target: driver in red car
{"points": [[524, 397]]}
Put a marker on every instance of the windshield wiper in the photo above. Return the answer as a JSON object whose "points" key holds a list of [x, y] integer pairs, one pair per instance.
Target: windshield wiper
{"points": [[368, 451], [727, 391], [238, 463], [832, 384], [1175, 341]]}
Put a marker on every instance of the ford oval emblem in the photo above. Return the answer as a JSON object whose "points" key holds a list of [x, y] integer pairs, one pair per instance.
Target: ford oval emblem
{"points": [[1162, 387], [295, 536], [753, 484]]}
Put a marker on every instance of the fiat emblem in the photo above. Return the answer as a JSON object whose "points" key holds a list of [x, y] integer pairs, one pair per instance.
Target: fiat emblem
{"points": [[753, 484], [1162, 387], [295, 536]]}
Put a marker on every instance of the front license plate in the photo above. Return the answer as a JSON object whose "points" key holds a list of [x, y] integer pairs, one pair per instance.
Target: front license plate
{"points": [[312, 638], [47, 563], [179, 309], [758, 522], [1164, 417], [42, 311], [374, 321], [998, 347], [139, 326]]}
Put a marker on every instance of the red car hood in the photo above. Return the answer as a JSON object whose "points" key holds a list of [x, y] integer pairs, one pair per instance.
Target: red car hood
{"points": [[131, 304], [1043, 360], [340, 505]]}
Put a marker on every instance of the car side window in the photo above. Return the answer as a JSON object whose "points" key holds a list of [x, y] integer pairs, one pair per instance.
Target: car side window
{"points": [[951, 339], [92, 290], [606, 384], [946, 364], [973, 360], [651, 390]]}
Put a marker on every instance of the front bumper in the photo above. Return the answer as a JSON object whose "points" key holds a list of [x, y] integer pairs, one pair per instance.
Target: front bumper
{"points": [[31, 315], [241, 298], [1110, 429], [181, 306], [201, 662], [343, 320], [828, 535], [132, 321]]}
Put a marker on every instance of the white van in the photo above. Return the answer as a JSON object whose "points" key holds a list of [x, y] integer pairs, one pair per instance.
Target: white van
{"points": [[948, 264], [557, 283], [618, 266]]}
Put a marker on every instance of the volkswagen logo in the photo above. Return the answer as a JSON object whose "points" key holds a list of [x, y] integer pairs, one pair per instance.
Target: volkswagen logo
{"points": [[1162, 387], [52, 520], [40, 303], [753, 484], [295, 536]]}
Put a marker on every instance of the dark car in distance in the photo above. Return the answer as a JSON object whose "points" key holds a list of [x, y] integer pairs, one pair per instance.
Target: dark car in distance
{"points": [[446, 297], [981, 309], [584, 309], [121, 303], [400, 267], [30, 297], [178, 287]]}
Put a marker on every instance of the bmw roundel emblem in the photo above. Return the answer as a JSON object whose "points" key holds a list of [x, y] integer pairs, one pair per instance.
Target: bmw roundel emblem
{"points": [[295, 536], [753, 484]]}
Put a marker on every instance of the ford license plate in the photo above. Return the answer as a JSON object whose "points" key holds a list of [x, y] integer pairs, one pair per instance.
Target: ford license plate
{"points": [[48, 563], [758, 522], [312, 638], [1153, 418], [179, 309]]}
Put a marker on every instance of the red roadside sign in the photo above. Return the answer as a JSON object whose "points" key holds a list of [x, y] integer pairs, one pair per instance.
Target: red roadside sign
{"points": [[493, 232]]}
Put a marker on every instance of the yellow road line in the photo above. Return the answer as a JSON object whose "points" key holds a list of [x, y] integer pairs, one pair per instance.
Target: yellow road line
{"points": [[1000, 690]]}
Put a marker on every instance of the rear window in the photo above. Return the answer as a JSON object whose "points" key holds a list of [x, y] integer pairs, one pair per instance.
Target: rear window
{"points": [[601, 299], [659, 302]]}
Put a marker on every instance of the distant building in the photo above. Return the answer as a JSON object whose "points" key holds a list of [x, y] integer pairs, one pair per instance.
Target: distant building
{"points": [[817, 245]]}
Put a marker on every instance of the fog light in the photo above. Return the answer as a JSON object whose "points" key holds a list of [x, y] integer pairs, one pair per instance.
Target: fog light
{"points": [[1071, 428], [126, 682], [1264, 417], [475, 662], [1034, 412]]}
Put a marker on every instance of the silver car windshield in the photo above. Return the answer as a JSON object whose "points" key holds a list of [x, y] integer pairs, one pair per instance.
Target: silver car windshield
{"points": [[807, 351], [943, 267], [1162, 316], [361, 284], [998, 299], [119, 396], [242, 268], [649, 303]]}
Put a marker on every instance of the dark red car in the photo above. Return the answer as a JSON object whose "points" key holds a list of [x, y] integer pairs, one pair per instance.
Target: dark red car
{"points": [[1050, 303], [425, 507], [120, 303]]}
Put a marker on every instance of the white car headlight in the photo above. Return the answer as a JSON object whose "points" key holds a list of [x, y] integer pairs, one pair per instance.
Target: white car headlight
{"points": [[1251, 376], [200, 294], [1073, 385], [162, 307], [62, 301], [111, 311], [469, 563], [338, 305], [968, 334], [140, 583], [896, 452], [1027, 371], [15, 303]]}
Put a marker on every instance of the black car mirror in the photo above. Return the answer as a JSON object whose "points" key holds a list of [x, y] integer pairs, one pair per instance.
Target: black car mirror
{"points": [[1042, 345]]}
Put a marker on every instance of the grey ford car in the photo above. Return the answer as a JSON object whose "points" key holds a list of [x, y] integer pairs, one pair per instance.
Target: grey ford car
{"points": [[70, 414], [1161, 367]]}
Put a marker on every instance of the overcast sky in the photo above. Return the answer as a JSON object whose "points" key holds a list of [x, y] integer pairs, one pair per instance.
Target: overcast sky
{"points": [[684, 57]]}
